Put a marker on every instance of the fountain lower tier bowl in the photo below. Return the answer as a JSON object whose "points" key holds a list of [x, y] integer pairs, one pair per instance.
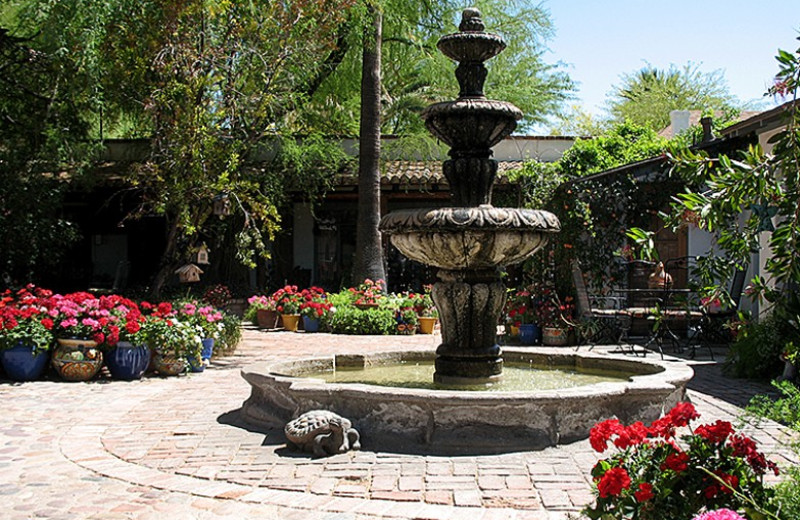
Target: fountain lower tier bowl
{"points": [[465, 422], [482, 237]]}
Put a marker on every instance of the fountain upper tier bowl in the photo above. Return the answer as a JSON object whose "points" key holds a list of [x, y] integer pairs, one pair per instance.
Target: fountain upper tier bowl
{"points": [[450, 421], [482, 237]]}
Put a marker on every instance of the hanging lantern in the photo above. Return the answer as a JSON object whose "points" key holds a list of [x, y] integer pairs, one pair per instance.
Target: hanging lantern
{"points": [[202, 255], [222, 205], [188, 273]]}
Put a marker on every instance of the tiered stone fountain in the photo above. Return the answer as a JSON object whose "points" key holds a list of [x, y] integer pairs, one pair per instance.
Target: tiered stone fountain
{"points": [[471, 240], [468, 242]]}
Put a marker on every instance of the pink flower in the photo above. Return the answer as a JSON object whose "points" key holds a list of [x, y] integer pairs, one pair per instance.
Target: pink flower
{"points": [[719, 514]]}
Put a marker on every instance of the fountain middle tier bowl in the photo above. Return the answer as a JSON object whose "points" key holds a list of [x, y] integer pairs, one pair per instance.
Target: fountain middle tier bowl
{"points": [[395, 418], [480, 237], [471, 124]]}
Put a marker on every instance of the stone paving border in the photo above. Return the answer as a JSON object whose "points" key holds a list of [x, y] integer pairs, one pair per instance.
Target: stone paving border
{"points": [[158, 449]]}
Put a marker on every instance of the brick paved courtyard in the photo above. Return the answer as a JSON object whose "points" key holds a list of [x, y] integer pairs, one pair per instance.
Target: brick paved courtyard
{"points": [[176, 448]]}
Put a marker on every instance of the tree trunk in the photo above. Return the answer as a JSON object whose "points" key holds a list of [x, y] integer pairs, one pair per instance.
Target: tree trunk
{"points": [[167, 263], [369, 250]]}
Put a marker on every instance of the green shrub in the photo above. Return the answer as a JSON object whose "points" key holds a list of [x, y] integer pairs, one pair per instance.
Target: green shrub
{"points": [[786, 410], [231, 334], [756, 352], [350, 320]]}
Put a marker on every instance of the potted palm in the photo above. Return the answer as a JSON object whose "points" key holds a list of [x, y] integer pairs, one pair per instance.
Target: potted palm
{"points": [[25, 334]]}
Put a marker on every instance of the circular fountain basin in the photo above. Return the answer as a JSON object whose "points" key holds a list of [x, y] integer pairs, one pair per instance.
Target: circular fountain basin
{"points": [[452, 421], [469, 238]]}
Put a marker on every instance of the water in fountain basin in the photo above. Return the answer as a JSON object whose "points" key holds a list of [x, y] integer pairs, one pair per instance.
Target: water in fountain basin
{"points": [[516, 377]]}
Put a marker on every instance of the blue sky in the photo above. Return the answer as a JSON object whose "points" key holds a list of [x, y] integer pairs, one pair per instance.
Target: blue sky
{"points": [[602, 40]]}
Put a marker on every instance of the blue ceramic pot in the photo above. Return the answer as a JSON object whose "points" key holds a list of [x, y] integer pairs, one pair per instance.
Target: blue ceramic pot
{"points": [[529, 333], [310, 324], [127, 361], [195, 364], [23, 362], [208, 348]]}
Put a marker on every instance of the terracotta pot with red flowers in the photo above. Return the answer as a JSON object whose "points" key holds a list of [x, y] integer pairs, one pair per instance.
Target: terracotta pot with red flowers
{"points": [[287, 303]]}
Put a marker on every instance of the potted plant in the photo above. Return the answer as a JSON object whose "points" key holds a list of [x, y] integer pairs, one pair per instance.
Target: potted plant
{"points": [[25, 334], [173, 341], [264, 307], [287, 303], [129, 355], [316, 309], [369, 294], [521, 310], [427, 314], [80, 325], [207, 322], [554, 318]]}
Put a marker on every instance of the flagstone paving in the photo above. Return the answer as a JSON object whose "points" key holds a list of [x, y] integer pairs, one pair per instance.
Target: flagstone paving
{"points": [[177, 448]]}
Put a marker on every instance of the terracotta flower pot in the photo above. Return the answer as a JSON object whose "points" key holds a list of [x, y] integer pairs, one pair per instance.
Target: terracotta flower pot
{"points": [[427, 324], [267, 319], [290, 322]]}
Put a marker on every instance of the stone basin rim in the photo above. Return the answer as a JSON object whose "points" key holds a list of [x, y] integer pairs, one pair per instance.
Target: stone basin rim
{"points": [[664, 375]]}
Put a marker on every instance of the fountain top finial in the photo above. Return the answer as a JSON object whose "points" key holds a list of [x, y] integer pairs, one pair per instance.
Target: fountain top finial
{"points": [[471, 21]]}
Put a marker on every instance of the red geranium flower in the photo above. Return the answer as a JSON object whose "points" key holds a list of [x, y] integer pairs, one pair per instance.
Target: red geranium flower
{"points": [[645, 492], [613, 482]]}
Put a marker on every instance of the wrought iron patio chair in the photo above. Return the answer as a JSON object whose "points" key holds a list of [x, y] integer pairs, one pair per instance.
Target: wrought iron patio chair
{"points": [[610, 323]]}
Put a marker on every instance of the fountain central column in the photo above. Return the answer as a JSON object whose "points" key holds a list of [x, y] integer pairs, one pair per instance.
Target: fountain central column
{"points": [[471, 240]]}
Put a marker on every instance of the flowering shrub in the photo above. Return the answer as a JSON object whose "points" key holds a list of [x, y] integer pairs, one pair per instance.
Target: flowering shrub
{"points": [[218, 296], [519, 308], [423, 303], [655, 477], [369, 292], [315, 304], [719, 514], [205, 318], [288, 300], [24, 319], [261, 302]]}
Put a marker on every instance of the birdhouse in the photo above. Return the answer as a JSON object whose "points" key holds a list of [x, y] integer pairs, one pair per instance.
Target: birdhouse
{"points": [[222, 205], [188, 273], [202, 255]]}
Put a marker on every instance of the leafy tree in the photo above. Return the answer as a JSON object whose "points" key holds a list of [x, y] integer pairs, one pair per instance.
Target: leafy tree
{"points": [[647, 96], [750, 200], [43, 147]]}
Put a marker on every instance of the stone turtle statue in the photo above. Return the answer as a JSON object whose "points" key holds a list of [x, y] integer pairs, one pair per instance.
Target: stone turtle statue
{"points": [[322, 433]]}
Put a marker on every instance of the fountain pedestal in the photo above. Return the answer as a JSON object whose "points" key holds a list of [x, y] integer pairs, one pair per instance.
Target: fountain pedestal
{"points": [[471, 240]]}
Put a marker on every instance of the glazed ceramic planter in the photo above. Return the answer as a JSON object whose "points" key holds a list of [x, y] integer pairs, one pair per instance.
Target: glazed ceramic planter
{"points": [[77, 359], [529, 333], [555, 336], [310, 324], [24, 362], [208, 349], [168, 364], [290, 321], [127, 361]]}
